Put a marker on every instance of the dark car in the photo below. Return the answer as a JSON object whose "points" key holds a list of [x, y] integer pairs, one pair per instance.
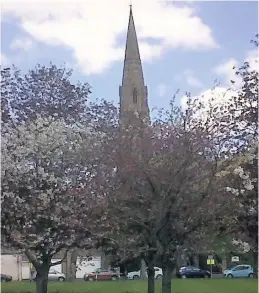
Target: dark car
{"points": [[6, 278], [192, 272], [101, 275]]}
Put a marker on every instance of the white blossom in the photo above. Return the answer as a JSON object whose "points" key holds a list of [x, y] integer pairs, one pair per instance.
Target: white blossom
{"points": [[232, 190], [243, 246], [239, 171], [40, 171], [248, 185]]}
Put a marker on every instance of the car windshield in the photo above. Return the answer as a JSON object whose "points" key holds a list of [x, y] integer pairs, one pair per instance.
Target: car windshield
{"points": [[100, 271], [186, 269], [232, 268]]}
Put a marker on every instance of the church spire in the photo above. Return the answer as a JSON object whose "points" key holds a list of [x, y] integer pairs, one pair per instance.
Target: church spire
{"points": [[132, 50], [133, 92]]}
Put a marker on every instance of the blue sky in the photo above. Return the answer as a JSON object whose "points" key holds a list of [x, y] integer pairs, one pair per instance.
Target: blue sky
{"points": [[184, 45]]}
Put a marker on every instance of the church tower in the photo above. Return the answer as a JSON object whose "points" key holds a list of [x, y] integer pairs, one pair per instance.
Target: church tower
{"points": [[133, 91]]}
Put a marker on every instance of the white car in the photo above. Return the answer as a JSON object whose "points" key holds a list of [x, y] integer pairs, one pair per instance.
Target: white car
{"points": [[54, 276], [136, 275]]}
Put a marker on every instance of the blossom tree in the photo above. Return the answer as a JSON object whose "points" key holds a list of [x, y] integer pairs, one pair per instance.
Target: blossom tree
{"points": [[43, 90], [48, 91], [242, 183], [248, 169], [242, 179], [52, 197], [164, 191]]}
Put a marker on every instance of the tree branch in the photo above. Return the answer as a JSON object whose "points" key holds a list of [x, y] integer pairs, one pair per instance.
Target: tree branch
{"points": [[60, 261], [32, 258]]}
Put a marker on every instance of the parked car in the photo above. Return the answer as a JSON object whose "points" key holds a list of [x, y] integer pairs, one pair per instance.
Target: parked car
{"points": [[240, 271], [6, 278], [99, 275], [136, 275], [192, 272], [54, 276]]}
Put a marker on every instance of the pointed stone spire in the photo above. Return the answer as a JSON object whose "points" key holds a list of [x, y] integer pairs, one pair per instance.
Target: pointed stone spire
{"points": [[133, 92], [132, 49]]}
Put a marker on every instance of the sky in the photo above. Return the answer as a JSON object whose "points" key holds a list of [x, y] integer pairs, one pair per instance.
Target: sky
{"points": [[184, 45]]}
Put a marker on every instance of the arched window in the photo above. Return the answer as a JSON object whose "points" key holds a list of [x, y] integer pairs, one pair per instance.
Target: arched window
{"points": [[135, 95]]}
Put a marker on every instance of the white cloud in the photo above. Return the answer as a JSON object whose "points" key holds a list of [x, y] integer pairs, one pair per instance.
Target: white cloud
{"points": [[92, 28], [252, 58], [189, 77], [211, 98], [162, 89], [228, 68], [213, 103], [22, 43], [148, 52], [5, 60], [228, 71], [217, 99], [9, 60]]}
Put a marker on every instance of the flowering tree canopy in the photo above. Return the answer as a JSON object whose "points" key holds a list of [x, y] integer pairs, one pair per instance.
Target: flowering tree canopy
{"points": [[164, 191], [242, 180], [45, 91], [52, 198], [242, 184]]}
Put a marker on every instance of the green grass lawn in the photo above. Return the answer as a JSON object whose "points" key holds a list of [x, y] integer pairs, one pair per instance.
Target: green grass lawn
{"points": [[178, 286]]}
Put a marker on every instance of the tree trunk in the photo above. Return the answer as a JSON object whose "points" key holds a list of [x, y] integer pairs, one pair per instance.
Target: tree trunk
{"points": [[42, 279], [196, 260], [68, 265], [224, 262], [182, 259], [151, 279], [143, 270], [167, 278], [255, 262], [73, 265], [68, 259], [105, 262]]}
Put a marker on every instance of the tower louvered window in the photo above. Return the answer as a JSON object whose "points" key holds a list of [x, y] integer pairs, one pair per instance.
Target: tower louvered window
{"points": [[135, 95]]}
